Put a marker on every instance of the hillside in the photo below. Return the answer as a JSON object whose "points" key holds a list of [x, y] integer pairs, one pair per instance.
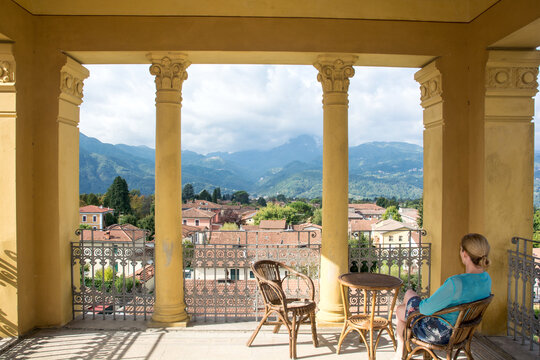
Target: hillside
{"points": [[293, 169]]}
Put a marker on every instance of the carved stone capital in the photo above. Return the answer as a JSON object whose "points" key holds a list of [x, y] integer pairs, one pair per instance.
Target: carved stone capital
{"points": [[334, 73], [512, 73], [169, 70], [430, 80], [72, 76], [7, 72]]}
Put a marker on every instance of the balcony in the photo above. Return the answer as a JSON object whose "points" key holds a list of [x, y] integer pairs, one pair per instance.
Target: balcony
{"points": [[222, 303]]}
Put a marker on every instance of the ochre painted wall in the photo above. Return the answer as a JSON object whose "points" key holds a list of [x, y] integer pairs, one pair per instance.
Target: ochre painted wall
{"points": [[458, 193]]}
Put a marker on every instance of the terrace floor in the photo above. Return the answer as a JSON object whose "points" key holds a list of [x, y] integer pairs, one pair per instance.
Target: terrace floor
{"points": [[128, 339]]}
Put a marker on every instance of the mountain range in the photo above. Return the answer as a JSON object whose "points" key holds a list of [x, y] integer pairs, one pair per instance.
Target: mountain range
{"points": [[292, 169]]}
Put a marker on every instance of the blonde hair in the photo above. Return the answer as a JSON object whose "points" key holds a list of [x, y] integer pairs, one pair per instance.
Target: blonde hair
{"points": [[477, 247]]}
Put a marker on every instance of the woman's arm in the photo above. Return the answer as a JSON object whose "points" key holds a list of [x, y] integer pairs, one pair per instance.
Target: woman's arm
{"points": [[441, 299]]}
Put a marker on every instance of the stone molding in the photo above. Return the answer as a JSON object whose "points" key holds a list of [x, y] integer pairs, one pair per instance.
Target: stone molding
{"points": [[430, 80], [72, 76], [7, 65], [169, 70], [334, 72], [512, 73]]}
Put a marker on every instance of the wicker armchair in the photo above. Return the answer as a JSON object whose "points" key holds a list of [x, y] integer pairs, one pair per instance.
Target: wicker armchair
{"points": [[290, 312], [470, 316]]}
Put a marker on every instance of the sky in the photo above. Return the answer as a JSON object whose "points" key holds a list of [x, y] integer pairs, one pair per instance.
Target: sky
{"points": [[243, 107]]}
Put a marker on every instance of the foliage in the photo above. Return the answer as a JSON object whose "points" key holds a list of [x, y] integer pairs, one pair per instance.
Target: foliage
{"points": [[392, 213], [316, 200], [117, 196], [384, 202], [127, 219], [188, 193], [241, 196], [281, 198], [122, 283], [275, 212], [216, 195], [229, 226], [108, 273], [109, 219], [261, 202], [230, 216], [317, 217], [420, 220], [303, 210], [188, 250], [84, 227], [205, 195], [147, 223]]}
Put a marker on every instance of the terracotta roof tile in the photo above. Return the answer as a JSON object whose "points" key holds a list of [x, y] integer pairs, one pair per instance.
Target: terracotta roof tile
{"points": [[94, 209], [197, 213], [273, 224]]}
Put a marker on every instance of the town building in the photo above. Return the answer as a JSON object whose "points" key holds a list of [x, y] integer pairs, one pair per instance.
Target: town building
{"points": [[94, 216]]}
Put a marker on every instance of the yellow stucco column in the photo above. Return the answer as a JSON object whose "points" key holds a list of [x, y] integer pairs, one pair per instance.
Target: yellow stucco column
{"points": [[511, 84], [334, 74], [430, 80], [72, 76], [170, 72], [9, 319]]}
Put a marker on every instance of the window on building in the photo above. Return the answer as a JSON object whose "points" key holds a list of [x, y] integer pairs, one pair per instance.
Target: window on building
{"points": [[197, 222], [94, 227], [235, 274], [400, 238], [390, 238], [184, 222], [251, 275], [84, 218], [94, 218]]}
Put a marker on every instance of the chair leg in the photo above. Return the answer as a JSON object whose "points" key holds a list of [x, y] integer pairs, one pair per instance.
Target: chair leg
{"points": [[263, 320], [276, 328], [294, 332], [390, 331], [313, 329], [342, 336]]}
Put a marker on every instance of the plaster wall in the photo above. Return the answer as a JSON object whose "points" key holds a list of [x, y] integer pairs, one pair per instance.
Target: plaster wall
{"points": [[459, 192]]}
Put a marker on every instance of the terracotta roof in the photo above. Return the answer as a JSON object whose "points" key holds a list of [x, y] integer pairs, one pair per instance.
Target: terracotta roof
{"points": [[250, 227], [371, 212], [248, 214], [307, 226], [115, 233], [390, 225], [201, 204], [94, 209], [145, 273], [264, 237], [353, 215], [367, 206], [197, 213], [361, 225], [188, 230], [273, 224]]}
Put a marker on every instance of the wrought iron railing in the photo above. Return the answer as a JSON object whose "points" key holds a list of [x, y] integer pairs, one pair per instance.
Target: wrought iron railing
{"points": [[112, 274], [218, 282], [113, 279], [402, 255], [523, 306]]}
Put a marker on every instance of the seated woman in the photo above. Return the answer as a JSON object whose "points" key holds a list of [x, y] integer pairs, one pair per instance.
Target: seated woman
{"points": [[474, 284]]}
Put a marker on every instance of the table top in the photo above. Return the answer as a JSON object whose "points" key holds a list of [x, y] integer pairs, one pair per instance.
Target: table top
{"points": [[370, 281]]}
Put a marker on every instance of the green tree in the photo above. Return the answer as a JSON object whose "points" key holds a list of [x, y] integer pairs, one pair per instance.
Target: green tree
{"points": [[84, 227], [117, 196], [275, 212], [92, 199], [229, 226], [216, 195], [316, 200], [147, 223], [188, 193], [317, 217], [205, 195], [303, 210], [241, 196], [392, 212], [109, 219], [281, 198], [128, 219], [420, 220], [384, 202], [261, 202]]}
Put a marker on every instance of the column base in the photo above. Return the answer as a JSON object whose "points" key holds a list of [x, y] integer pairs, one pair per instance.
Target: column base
{"points": [[167, 324], [333, 317], [170, 314]]}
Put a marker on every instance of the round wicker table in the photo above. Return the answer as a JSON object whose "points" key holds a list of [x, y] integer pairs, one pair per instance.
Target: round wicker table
{"points": [[366, 321]]}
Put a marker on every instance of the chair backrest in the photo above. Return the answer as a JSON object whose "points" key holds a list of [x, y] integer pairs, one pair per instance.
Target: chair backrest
{"points": [[269, 280], [470, 316]]}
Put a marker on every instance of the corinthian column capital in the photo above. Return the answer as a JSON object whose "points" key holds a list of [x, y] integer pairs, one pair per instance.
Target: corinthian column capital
{"points": [[72, 76], [169, 70], [334, 72], [7, 66]]}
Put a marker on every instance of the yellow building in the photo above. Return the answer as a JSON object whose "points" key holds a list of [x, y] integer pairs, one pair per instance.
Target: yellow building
{"points": [[94, 216], [477, 79], [393, 233]]}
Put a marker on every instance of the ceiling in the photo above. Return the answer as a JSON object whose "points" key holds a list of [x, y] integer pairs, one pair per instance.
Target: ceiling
{"points": [[411, 10]]}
